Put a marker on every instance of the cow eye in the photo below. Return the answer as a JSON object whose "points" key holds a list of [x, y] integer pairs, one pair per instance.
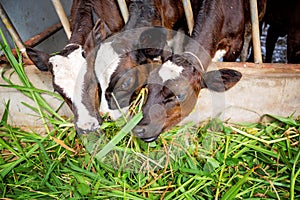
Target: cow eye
{"points": [[180, 97], [126, 83]]}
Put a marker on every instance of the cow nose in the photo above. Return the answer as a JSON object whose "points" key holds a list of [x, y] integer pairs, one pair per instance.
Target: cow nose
{"points": [[139, 131]]}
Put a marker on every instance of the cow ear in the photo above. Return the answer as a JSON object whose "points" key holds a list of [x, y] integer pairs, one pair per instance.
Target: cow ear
{"points": [[220, 80], [39, 58], [99, 33]]}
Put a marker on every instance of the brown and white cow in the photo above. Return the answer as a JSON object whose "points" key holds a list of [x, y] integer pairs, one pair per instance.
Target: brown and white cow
{"points": [[152, 21], [117, 60], [173, 88], [73, 74]]}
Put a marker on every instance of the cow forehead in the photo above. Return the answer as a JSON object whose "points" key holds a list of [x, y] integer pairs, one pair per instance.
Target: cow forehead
{"points": [[106, 63], [67, 70], [169, 71]]}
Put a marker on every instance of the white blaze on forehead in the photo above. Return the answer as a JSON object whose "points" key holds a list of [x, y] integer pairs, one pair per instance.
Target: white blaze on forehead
{"points": [[106, 63], [69, 75], [169, 71], [219, 55]]}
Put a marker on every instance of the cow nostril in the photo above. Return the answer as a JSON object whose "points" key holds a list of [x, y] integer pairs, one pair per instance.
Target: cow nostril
{"points": [[139, 131]]}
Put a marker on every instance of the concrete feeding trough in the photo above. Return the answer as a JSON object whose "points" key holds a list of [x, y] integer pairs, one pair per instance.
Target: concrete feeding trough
{"points": [[19, 114], [263, 89]]}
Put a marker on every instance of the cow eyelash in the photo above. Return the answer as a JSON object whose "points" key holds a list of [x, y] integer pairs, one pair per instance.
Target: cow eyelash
{"points": [[83, 54]]}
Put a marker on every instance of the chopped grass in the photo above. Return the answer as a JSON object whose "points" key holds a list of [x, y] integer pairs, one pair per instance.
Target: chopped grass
{"points": [[214, 160]]}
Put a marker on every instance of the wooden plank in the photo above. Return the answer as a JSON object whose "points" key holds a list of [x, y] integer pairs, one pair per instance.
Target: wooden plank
{"points": [[11, 29], [255, 31], [62, 16], [188, 14], [124, 10]]}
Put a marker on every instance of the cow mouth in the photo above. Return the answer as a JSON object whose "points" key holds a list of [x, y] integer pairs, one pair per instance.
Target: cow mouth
{"points": [[148, 133], [150, 139]]}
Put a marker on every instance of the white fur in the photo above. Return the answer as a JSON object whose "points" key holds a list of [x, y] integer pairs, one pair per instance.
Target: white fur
{"points": [[67, 69], [219, 55], [106, 63], [169, 71], [69, 75]]}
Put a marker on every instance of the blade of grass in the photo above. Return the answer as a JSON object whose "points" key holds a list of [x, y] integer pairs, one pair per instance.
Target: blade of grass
{"points": [[24, 88], [232, 192], [5, 114], [222, 168], [286, 120], [294, 176], [19, 69], [123, 132], [262, 140]]}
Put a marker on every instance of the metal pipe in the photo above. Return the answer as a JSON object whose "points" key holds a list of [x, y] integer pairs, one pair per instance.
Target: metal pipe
{"points": [[62, 16], [255, 31], [40, 37], [188, 14], [124, 10]]}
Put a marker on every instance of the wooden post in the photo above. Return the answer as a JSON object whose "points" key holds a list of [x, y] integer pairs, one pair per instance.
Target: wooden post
{"points": [[62, 16], [33, 41], [255, 31], [124, 10], [11, 29], [188, 14]]}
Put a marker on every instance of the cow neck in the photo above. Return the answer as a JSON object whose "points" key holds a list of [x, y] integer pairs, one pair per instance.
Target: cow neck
{"points": [[206, 32], [196, 53]]}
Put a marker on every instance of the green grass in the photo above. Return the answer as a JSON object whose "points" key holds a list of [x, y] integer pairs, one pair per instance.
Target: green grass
{"points": [[213, 160]]}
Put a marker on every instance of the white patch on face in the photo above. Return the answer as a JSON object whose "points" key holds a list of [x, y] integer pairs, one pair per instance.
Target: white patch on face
{"points": [[219, 55], [69, 74], [66, 71], [170, 71], [106, 63]]}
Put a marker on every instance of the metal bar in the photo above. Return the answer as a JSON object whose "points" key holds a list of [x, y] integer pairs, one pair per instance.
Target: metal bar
{"points": [[255, 31], [62, 16], [188, 14], [40, 37], [124, 10]]}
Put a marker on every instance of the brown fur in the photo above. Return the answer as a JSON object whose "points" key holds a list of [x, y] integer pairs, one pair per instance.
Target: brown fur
{"points": [[216, 27]]}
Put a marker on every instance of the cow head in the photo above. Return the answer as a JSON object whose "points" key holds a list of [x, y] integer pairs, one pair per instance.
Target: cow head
{"points": [[173, 90], [134, 67], [74, 79]]}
